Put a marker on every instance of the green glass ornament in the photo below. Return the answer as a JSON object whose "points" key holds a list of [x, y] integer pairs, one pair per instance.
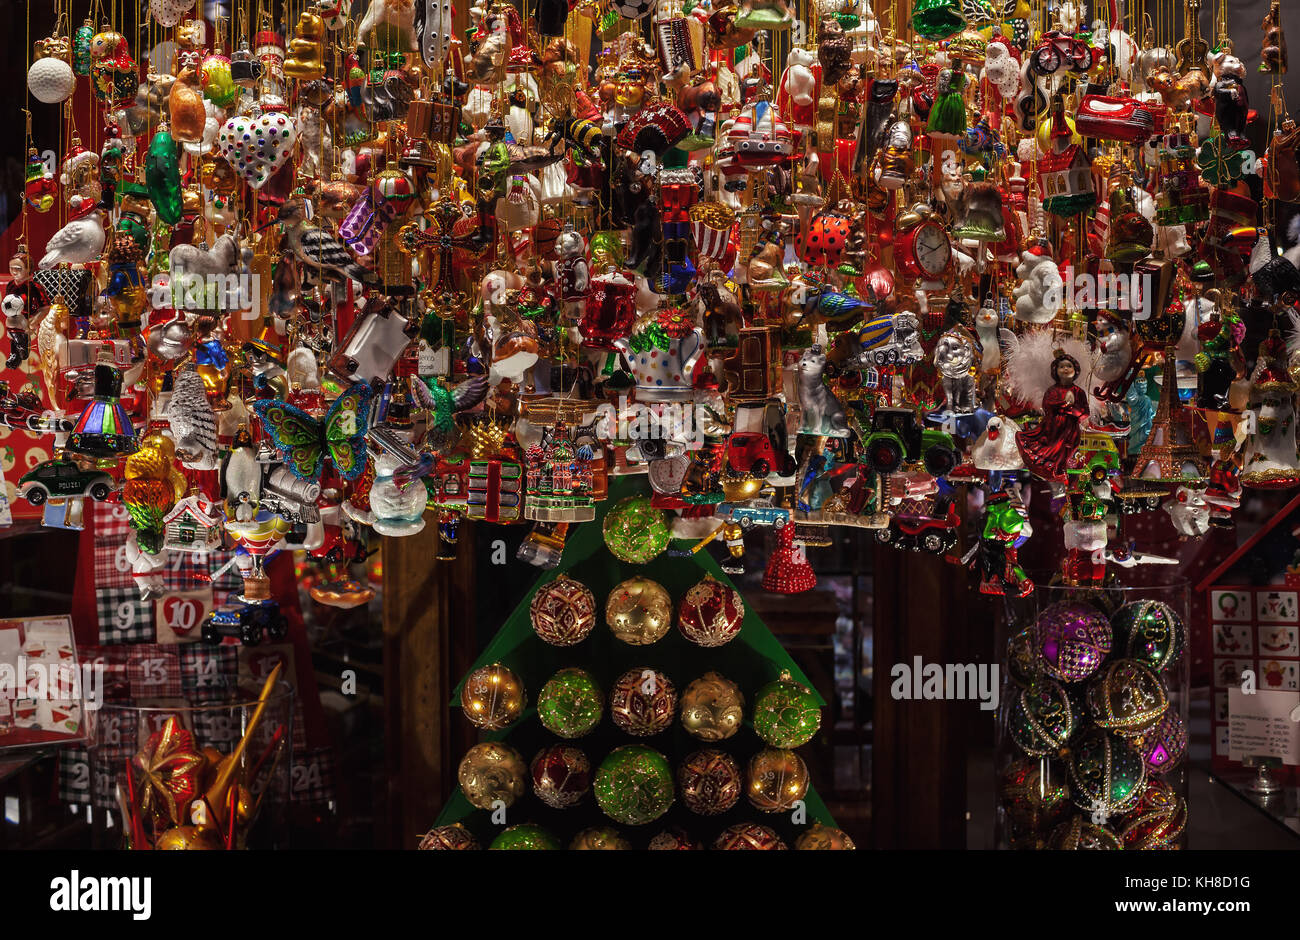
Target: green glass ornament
{"points": [[525, 836], [81, 40], [162, 175], [1106, 775], [635, 531], [786, 714], [570, 703], [634, 785], [1042, 718], [1150, 632], [936, 19]]}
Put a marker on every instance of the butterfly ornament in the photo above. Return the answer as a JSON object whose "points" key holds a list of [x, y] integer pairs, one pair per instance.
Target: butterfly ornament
{"points": [[304, 441]]}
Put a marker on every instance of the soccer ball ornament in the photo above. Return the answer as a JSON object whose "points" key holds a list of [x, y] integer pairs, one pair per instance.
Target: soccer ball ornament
{"points": [[748, 836], [634, 785], [1150, 632], [712, 708], [710, 782], [493, 697], [492, 771], [819, 838], [634, 9], [599, 838], [643, 702], [563, 612], [786, 713], [639, 611], [635, 531], [778, 778], [1126, 696], [711, 613], [561, 775], [1042, 718], [526, 836], [449, 838], [1106, 775], [1071, 639]]}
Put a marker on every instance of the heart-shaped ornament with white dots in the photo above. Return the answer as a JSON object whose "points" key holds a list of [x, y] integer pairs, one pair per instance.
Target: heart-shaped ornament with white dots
{"points": [[169, 12], [257, 146]]}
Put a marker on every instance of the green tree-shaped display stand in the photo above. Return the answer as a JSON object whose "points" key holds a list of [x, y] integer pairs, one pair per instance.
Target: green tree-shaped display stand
{"points": [[751, 660]]}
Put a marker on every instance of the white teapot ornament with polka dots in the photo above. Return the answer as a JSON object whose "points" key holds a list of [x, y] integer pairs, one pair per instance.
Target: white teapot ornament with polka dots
{"points": [[665, 352]]}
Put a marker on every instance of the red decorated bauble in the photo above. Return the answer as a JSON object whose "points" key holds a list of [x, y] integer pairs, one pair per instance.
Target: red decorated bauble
{"points": [[709, 781], [642, 702], [1158, 820], [788, 571], [745, 836], [561, 775], [711, 613], [454, 837], [563, 612]]}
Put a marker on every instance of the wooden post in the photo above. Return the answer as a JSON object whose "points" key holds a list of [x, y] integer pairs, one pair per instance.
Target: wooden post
{"points": [[919, 747], [428, 611]]}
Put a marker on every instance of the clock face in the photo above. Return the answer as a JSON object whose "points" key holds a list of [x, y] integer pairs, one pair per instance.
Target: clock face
{"points": [[933, 249]]}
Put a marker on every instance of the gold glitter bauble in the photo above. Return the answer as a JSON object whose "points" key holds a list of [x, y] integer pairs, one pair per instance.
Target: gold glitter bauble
{"points": [[778, 778], [712, 708], [819, 838], [492, 771], [493, 697], [600, 838], [639, 611]]}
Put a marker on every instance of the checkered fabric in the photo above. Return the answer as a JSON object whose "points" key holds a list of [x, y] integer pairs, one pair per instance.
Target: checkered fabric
{"points": [[123, 616], [208, 673], [313, 776], [74, 775], [219, 728], [105, 769], [155, 671], [115, 683], [299, 724], [112, 529], [229, 584], [185, 571]]}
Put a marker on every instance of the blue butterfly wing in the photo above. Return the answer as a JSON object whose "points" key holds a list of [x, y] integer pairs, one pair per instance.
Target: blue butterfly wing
{"points": [[298, 437]]}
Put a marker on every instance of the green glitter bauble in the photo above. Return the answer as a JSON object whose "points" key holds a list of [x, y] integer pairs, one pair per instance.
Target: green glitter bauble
{"points": [[525, 836], [1106, 775], [1042, 718], [634, 785], [1150, 632], [786, 714], [635, 531], [570, 703]]}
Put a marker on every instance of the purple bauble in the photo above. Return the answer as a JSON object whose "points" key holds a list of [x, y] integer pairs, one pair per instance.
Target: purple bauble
{"points": [[1162, 745], [1071, 639]]}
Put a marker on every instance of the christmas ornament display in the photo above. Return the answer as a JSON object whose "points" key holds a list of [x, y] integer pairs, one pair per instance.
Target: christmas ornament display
{"points": [[642, 702], [570, 703], [1106, 775], [492, 697], [639, 611], [786, 713], [712, 708], [492, 772], [1127, 697], [634, 785], [711, 614], [563, 612], [709, 781]]}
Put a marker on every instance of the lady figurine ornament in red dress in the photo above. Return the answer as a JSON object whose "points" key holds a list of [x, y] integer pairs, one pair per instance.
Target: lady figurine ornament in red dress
{"points": [[1047, 448]]}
